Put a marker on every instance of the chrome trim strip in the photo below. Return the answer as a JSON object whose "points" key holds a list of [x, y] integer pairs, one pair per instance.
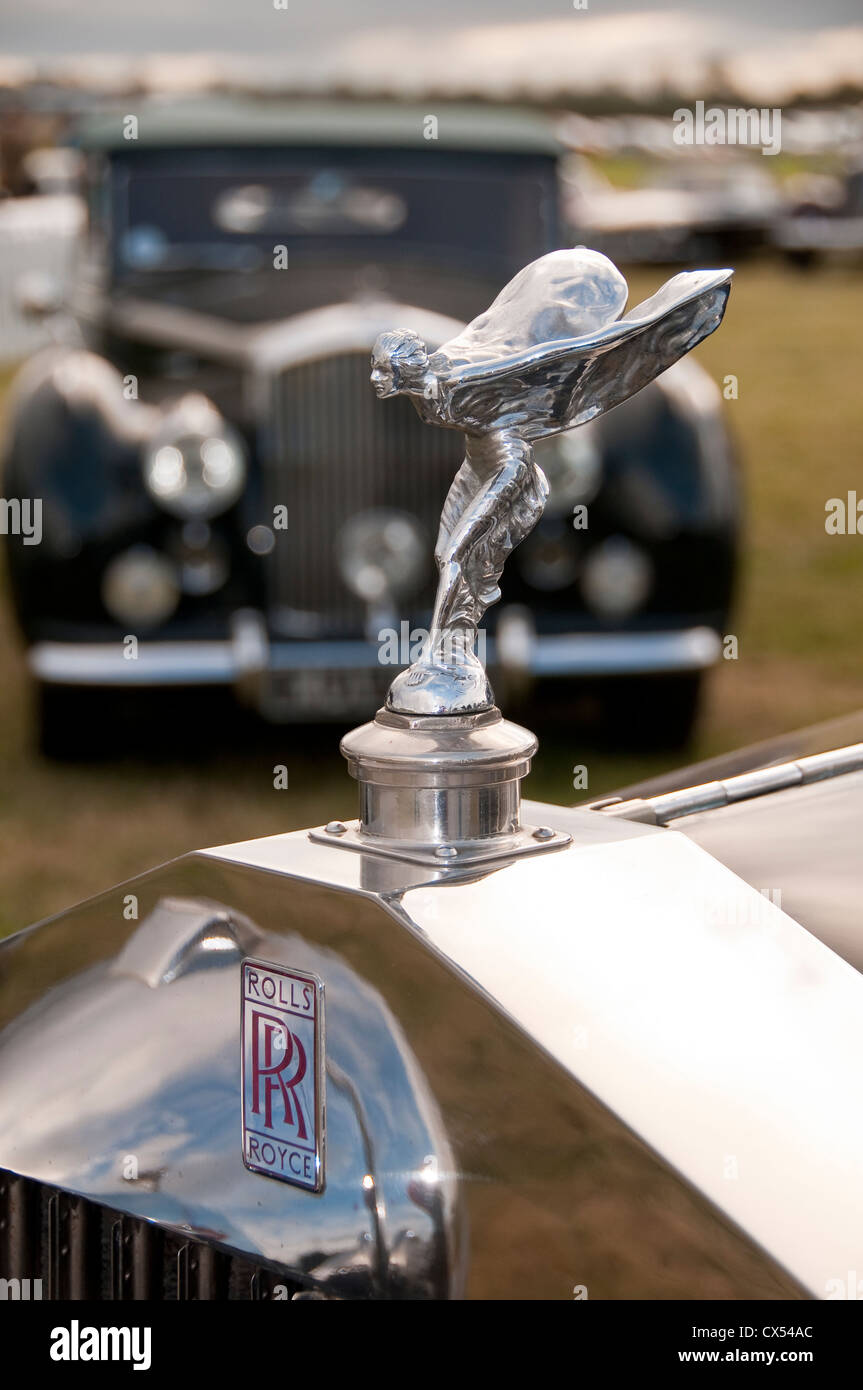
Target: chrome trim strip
{"points": [[612, 653], [341, 328], [218, 662], [157, 663], [269, 346], [709, 796]]}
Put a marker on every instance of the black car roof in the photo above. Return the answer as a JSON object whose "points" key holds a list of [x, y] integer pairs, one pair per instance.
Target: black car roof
{"points": [[222, 122]]}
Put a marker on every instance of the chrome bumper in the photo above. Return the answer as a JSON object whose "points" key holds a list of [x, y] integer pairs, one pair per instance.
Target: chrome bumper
{"points": [[247, 657]]}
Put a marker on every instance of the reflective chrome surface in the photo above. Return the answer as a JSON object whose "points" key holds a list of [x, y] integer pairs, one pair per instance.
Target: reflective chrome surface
{"points": [[551, 352], [799, 846], [446, 854], [708, 796], [123, 1083], [439, 782], [703, 1016], [503, 1034]]}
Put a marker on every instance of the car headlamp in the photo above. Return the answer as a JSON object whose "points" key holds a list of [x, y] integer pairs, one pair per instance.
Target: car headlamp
{"points": [[140, 587], [617, 578], [382, 555], [195, 464]]}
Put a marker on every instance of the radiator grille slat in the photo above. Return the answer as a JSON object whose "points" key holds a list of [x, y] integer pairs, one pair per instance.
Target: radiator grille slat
{"points": [[83, 1247], [336, 451], [20, 1227], [72, 1247], [79, 1249], [202, 1272], [136, 1259]]}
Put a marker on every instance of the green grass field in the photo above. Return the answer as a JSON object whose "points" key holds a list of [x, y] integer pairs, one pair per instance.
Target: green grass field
{"points": [[795, 343]]}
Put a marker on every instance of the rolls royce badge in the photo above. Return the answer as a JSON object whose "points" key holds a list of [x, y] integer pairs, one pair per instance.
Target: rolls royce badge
{"points": [[283, 1073]]}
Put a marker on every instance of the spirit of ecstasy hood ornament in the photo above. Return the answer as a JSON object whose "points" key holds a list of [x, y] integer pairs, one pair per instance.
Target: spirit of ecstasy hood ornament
{"points": [[439, 768], [552, 351]]}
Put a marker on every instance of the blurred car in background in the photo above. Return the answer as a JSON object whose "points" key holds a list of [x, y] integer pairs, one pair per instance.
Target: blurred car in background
{"points": [[825, 219], [39, 241], [224, 504], [691, 210]]}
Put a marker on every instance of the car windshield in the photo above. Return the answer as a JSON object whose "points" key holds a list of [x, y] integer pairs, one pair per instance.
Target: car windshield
{"points": [[178, 211]]}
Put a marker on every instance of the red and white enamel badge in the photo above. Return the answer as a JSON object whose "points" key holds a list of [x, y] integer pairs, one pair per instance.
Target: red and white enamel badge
{"points": [[283, 1073]]}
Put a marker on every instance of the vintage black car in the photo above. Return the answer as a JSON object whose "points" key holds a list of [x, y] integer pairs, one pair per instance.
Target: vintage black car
{"points": [[464, 1045], [224, 507]]}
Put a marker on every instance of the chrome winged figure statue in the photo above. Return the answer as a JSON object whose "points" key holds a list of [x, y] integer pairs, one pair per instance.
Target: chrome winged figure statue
{"points": [[554, 350]]}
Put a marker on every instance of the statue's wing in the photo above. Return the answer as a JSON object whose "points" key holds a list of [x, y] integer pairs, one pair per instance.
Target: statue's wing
{"points": [[480, 525], [565, 294], [556, 385]]}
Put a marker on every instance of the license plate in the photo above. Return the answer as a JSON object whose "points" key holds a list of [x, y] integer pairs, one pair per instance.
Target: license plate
{"points": [[319, 694]]}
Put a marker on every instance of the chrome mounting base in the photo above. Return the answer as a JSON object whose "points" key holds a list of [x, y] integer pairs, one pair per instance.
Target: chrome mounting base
{"points": [[440, 789], [527, 840]]}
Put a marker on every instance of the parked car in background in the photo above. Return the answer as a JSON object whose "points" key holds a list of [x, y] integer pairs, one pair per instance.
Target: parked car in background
{"points": [[40, 237], [223, 504], [824, 219], [684, 210]]}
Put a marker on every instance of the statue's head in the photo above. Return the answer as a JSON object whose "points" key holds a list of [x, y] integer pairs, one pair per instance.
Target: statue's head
{"points": [[399, 363]]}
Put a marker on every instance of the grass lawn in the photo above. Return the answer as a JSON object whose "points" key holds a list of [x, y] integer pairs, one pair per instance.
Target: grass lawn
{"points": [[795, 343]]}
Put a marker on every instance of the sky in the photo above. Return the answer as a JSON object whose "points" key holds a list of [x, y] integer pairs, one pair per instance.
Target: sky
{"points": [[60, 27], [770, 49]]}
